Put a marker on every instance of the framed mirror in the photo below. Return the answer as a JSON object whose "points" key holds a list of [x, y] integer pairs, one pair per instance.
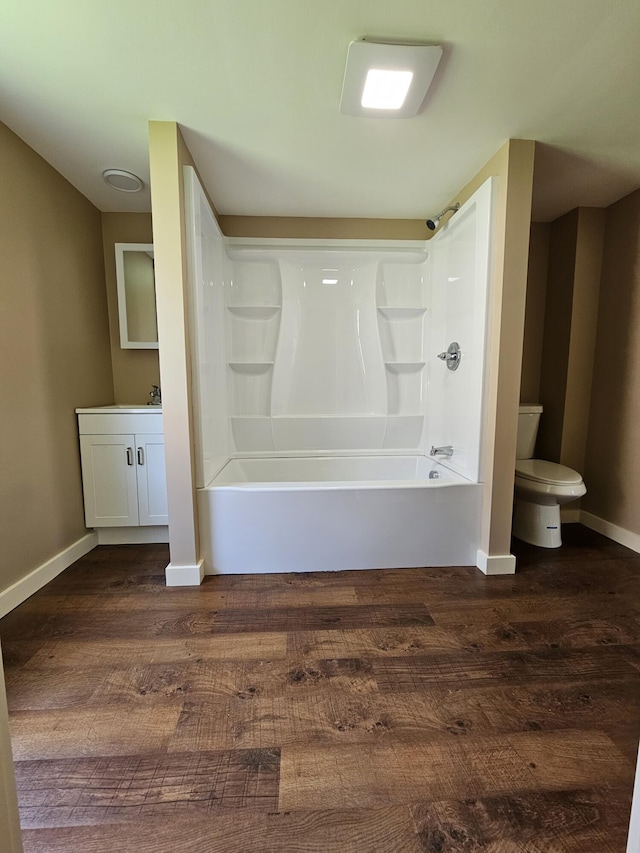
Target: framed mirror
{"points": [[136, 296]]}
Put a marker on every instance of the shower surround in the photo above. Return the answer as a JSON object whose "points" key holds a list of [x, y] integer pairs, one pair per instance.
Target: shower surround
{"points": [[319, 395]]}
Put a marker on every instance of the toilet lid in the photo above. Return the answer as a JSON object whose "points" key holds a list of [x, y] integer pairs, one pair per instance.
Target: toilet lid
{"points": [[547, 472]]}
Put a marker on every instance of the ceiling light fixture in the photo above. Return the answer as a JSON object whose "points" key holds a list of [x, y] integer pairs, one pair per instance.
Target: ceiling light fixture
{"points": [[387, 79], [126, 182]]}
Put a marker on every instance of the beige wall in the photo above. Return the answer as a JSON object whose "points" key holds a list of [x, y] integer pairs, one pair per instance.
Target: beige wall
{"points": [[569, 337], [534, 312], [168, 154], [612, 470], [54, 354], [9, 818], [134, 371], [584, 321], [325, 228], [513, 167], [557, 333]]}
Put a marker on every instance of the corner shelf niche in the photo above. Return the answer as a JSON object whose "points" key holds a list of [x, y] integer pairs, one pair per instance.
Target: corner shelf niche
{"points": [[404, 366], [396, 312], [253, 367], [253, 321], [254, 312], [404, 387]]}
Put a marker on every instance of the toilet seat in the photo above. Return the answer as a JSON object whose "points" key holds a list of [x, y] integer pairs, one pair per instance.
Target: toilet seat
{"points": [[549, 473]]}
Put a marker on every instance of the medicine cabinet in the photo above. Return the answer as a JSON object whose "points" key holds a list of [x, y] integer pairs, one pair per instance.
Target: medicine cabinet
{"points": [[136, 296]]}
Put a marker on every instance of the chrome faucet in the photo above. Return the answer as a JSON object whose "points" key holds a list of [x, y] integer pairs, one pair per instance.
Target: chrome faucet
{"points": [[156, 399], [442, 451]]}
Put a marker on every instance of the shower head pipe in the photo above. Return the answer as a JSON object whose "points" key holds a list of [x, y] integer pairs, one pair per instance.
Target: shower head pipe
{"points": [[432, 224]]}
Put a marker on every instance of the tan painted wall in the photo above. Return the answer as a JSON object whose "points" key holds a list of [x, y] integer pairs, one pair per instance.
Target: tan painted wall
{"points": [[54, 354], [534, 312], [325, 228], [513, 166], [168, 154], [134, 371], [9, 818], [612, 469], [570, 333], [557, 334], [584, 322]]}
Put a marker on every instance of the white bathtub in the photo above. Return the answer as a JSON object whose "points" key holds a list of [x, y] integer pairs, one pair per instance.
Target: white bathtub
{"points": [[285, 514]]}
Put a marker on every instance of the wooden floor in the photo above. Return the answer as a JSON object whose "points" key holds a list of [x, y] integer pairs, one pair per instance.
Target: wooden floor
{"points": [[405, 711]]}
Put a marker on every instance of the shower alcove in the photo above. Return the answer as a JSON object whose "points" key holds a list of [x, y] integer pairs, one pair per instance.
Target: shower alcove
{"points": [[318, 393]]}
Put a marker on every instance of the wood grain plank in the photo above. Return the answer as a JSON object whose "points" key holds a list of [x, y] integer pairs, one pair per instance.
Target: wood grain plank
{"points": [[116, 653], [91, 731], [364, 776], [531, 609], [419, 672], [555, 634], [328, 718], [531, 820], [37, 690], [568, 759], [381, 642], [590, 704], [385, 830], [65, 792], [192, 623], [207, 596]]}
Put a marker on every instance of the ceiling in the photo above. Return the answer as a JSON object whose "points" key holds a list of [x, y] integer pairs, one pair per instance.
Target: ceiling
{"points": [[255, 86]]}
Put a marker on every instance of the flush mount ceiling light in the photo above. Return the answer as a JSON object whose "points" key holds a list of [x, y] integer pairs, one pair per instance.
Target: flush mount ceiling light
{"points": [[126, 182], [387, 80]]}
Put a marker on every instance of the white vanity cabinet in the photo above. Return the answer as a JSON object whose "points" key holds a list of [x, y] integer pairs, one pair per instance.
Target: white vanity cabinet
{"points": [[123, 470]]}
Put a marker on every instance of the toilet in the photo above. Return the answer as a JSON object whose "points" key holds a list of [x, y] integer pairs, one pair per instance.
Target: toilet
{"points": [[540, 487]]}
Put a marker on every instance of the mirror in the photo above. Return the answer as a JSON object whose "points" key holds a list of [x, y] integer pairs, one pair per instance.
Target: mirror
{"points": [[136, 296]]}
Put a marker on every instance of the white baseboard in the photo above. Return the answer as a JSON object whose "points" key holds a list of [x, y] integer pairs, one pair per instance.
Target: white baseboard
{"points": [[185, 575], [607, 528], [498, 564], [133, 535], [35, 580], [633, 841]]}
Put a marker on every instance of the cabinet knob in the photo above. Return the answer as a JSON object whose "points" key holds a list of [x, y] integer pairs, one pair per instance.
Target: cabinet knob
{"points": [[140, 456], [129, 455]]}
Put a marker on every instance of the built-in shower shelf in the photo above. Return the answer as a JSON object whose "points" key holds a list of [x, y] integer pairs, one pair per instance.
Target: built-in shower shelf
{"points": [[254, 367], [396, 312], [404, 366], [254, 312]]}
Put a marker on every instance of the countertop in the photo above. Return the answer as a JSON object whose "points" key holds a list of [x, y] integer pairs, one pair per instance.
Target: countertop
{"points": [[122, 409]]}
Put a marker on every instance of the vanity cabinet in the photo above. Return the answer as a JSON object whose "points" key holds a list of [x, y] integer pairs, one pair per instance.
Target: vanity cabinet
{"points": [[123, 470]]}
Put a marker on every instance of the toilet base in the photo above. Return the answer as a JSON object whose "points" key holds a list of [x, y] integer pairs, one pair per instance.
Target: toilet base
{"points": [[537, 524]]}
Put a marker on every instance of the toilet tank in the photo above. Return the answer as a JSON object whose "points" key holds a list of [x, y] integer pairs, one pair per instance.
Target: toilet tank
{"points": [[528, 420]]}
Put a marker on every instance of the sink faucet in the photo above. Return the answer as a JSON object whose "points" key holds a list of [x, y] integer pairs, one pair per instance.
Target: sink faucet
{"points": [[156, 399], [442, 451]]}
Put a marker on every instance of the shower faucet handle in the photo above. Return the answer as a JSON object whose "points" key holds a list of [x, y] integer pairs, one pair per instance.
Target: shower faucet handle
{"points": [[441, 451], [452, 355]]}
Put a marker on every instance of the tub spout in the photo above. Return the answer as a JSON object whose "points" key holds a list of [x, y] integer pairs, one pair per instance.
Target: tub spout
{"points": [[441, 451]]}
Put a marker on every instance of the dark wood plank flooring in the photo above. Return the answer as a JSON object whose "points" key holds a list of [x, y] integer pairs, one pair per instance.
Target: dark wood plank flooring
{"points": [[404, 711]]}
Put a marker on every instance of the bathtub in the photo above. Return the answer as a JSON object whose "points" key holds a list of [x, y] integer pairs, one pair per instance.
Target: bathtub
{"points": [[327, 513]]}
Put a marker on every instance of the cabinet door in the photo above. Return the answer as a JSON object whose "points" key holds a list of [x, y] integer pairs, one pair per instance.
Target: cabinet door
{"points": [[152, 483], [109, 480]]}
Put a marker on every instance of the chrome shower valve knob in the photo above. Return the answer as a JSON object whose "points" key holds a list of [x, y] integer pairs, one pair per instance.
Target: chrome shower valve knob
{"points": [[452, 355]]}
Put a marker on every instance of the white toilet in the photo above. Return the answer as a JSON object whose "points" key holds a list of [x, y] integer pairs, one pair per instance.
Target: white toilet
{"points": [[541, 487]]}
